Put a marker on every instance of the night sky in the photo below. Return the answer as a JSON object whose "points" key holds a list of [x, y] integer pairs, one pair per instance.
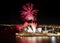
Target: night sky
{"points": [[47, 13]]}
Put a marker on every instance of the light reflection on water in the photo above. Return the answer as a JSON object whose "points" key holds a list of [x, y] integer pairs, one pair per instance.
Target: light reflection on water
{"points": [[38, 39], [53, 39]]}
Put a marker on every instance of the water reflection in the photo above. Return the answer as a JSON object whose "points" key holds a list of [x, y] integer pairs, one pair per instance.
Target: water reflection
{"points": [[53, 39], [38, 40]]}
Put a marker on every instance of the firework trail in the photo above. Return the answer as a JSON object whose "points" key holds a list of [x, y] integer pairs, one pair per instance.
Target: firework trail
{"points": [[28, 13]]}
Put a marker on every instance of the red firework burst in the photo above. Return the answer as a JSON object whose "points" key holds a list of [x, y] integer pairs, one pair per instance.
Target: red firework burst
{"points": [[28, 13]]}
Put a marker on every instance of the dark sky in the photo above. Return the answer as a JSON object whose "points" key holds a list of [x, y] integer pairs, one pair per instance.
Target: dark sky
{"points": [[47, 11]]}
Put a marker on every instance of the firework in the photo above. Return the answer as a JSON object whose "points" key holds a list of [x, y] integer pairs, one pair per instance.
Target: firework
{"points": [[28, 13]]}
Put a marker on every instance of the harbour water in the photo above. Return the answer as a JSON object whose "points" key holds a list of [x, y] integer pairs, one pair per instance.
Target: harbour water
{"points": [[38, 39]]}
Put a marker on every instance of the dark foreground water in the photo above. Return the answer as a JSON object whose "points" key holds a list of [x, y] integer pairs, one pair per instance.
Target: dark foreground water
{"points": [[38, 39]]}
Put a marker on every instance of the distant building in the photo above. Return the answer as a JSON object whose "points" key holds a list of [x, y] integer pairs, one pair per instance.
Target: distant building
{"points": [[39, 30]]}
